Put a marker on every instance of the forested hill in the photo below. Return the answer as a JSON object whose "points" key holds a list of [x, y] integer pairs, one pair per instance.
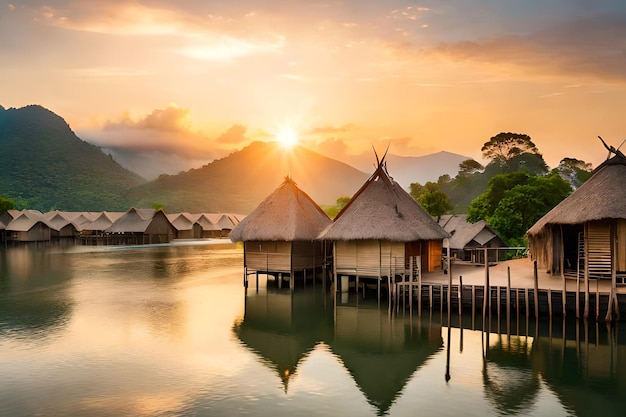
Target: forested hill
{"points": [[240, 181], [45, 166]]}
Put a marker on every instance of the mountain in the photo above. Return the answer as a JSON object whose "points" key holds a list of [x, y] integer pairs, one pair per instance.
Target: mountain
{"points": [[46, 166], [240, 181], [408, 169]]}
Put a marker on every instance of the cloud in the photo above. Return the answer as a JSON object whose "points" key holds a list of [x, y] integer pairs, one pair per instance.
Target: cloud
{"points": [[199, 36], [331, 130], [165, 130], [234, 135], [590, 47]]}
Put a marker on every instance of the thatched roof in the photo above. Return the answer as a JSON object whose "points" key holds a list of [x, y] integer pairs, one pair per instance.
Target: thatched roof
{"points": [[383, 210], [603, 196], [462, 232], [288, 214], [133, 221]]}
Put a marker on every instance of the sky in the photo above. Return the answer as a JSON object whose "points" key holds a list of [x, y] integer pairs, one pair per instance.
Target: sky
{"points": [[167, 86]]}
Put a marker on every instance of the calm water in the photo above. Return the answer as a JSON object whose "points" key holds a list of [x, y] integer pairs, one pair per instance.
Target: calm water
{"points": [[170, 331]]}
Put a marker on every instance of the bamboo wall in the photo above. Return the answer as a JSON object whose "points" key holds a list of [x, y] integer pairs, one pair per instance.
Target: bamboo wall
{"points": [[283, 256]]}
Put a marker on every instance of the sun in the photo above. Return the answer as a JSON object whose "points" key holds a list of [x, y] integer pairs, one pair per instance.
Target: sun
{"points": [[287, 137]]}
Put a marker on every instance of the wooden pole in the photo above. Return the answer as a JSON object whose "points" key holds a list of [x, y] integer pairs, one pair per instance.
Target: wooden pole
{"points": [[578, 279], [563, 269], [536, 294], [586, 254], [449, 281], [487, 292], [460, 295], [508, 295]]}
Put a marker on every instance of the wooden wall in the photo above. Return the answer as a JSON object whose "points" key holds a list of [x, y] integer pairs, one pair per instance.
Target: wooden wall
{"points": [[283, 256]]}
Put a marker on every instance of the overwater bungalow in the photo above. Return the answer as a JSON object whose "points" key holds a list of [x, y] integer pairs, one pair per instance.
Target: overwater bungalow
{"points": [[584, 236], [468, 239], [222, 223], [61, 226], [141, 226], [183, 224], [380, 230], [28, 226], [280, 235]]}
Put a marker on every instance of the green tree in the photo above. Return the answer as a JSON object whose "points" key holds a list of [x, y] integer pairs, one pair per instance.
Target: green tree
{"points": [[6, 204], [158, 206], [574, 171], [469, 167], [507, 145], [431, 198], [514, 202], [333, 211]]}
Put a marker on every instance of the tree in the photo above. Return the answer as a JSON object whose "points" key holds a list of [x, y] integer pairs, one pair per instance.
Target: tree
{"points": [[431, 198], [505, 146], [574, 171], [333, 211], [469, 167], [514, 202], [6, 204]]}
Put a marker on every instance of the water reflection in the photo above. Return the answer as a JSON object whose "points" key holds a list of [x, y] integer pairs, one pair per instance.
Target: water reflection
{"points": [[27, 309], [379, 352]]}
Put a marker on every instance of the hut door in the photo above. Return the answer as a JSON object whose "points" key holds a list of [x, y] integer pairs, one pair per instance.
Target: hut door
{"points": [[599, 250]]}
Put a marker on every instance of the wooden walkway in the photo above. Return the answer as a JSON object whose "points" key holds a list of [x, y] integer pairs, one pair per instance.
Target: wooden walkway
{"points": [[512, 288]]}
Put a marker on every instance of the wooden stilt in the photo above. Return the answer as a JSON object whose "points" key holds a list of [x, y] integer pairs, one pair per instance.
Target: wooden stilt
{"points": [[460, 294], [550, 304], [536, 294], [487, 295], [563, 269]]}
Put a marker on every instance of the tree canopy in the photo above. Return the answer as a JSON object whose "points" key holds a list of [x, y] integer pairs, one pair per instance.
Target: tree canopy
{"points": [[333, 211], [431, 198], [6, 204], [515, 201], [504, 146]]}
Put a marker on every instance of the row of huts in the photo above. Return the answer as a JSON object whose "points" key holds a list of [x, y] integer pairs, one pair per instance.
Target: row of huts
{"points": [[378, 234], [135, 226], [382, 229]]}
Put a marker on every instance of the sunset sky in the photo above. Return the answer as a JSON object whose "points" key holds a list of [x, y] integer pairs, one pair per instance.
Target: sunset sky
{"points": [[195, 80]]}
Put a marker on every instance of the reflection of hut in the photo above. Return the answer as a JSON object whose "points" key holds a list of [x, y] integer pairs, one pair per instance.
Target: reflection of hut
{"points": [[585, 234], [283, 328], [380, 229], [466, 238], [280, 234], [382, 354], [510, 381], [585, 368], [141, 226]]}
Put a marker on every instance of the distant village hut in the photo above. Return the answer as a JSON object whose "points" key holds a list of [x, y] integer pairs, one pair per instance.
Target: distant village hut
{"points": [[381, 229], [183, 224], [585, 234], [280, 235], [61, 227], [467, 240], [222, 223], [28, 226], [142, 226]]}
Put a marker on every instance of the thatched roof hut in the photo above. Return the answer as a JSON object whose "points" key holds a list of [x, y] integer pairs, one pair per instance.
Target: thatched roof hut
{"points": [[280, 235], [585, 234], [592, 214], [466, 237], [381, 227]]}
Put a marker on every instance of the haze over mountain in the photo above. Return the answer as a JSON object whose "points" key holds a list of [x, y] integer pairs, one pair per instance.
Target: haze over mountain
{"points": [[240, 181], [45, 166], [409, 169]]}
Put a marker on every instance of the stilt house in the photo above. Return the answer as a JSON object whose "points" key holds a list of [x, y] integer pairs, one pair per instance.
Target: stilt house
{"points": [[280, 235], [381, 228], [585, 234]]}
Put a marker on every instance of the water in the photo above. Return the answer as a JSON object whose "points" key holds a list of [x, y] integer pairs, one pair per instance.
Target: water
{"points": [[170, 331]]}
